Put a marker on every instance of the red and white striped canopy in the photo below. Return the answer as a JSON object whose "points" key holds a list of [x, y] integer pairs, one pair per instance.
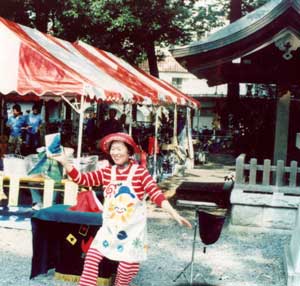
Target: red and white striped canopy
{"points": [[38, 63], [159, 91]]}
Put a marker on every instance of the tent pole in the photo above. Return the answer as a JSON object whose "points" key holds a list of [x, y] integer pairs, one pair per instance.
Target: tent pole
{"points": [[175, 125], [189, 136], [80, 131], [155, 145], [80, 111], [130, 119], [198, 123], [70, 103]]}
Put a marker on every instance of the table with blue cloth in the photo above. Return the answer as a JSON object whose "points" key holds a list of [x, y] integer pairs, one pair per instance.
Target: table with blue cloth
{"points": [[61, 238]]}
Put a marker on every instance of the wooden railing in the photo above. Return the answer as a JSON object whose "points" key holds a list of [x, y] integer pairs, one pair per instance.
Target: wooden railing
{"points": [[275, 185], [48, 186], [277, 178]]}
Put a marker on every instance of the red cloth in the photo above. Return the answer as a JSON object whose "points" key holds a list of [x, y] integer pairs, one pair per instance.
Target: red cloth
{"points": [[151, 141], [143, 159], [87, 202]]}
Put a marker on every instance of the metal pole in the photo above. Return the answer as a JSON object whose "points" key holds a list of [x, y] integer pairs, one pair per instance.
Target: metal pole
{"points": [[130, 119], [189, 136], [79, 110], [175, 125], [80, 131], [155, 146], [194, 246], [198, 123]]}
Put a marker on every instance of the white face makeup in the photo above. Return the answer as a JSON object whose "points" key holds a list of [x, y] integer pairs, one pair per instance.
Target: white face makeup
{"points": [[119, 153]]}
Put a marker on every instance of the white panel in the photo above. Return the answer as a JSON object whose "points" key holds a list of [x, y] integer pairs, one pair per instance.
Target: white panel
{"points": [[9, 59]]}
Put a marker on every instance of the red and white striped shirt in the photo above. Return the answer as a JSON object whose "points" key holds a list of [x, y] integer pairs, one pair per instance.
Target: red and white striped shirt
{"points": [[142, 181]]}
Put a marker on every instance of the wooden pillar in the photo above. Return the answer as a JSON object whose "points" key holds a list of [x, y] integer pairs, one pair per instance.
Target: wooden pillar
{"points": [[282, 125]]}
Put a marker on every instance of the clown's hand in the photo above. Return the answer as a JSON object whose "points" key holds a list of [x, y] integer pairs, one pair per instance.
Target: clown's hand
{"points": [[181, 220], [63, 160]]}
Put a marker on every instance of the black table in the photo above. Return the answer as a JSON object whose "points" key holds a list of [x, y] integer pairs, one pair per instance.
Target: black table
{"points": [[60, 240]]}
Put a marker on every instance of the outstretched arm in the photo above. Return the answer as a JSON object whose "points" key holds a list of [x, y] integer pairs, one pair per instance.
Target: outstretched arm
{"points": [[88, 179], [181, 220], [63, 160]]}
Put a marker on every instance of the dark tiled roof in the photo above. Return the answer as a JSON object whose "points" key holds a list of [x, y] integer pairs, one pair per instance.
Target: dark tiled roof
{"points": [[240, 29]]}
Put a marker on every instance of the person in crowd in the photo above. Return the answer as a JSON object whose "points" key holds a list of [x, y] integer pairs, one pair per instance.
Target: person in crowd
{"points": [[36, 197], [33, 123], [15, 123], [126, 185], [110, 125], [124, 125], [91, 130], [181, 128]]}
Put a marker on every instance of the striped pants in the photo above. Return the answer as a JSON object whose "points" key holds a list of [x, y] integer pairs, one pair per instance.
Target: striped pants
{"points": [[125, 273]]}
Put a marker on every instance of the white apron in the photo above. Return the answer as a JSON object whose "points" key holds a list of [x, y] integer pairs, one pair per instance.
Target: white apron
{"points": [[123, 235]]}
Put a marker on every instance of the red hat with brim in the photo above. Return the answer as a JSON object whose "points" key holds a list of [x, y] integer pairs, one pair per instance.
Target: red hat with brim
{"points": [[106, 141]]}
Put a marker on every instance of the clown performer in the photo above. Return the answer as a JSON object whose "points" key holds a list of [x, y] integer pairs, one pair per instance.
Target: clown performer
{"points": [[123, 235]]}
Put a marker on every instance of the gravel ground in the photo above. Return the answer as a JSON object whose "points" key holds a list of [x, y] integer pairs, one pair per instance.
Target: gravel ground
{"points": [[239, 257]]}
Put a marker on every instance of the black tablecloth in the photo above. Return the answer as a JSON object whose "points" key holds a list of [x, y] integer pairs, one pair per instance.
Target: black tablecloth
{"points": [[61, 238]]}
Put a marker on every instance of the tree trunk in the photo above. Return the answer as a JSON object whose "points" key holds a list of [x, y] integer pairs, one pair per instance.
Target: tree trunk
{"points": [[152, 59], [42, 16], [235, 10]]}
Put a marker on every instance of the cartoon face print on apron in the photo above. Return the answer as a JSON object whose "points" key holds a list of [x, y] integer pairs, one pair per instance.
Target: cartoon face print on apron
{"points": [[122, 236]]}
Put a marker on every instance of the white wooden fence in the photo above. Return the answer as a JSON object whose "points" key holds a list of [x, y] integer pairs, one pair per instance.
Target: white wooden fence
{"points": [[272, 178], [16, 185], [265, 195]]}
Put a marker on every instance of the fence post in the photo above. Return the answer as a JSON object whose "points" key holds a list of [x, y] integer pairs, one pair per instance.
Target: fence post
{"points": [[279, 173], [48, 193], [293, 174], [239, 169], [266, 172], [14, 187], [70, 193], [253, 169]]}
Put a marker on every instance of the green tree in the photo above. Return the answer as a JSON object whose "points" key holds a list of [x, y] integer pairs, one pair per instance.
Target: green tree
{"points": [[234, 9], [133, 28], [15, 10], [129, 28], [34, 13]]}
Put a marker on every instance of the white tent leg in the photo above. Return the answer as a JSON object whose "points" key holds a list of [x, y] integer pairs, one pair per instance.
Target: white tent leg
{"points": [[130, 122], [189, 137], [80, 111], [198, 123], [175, 126], [155, 145], [80, 131]]}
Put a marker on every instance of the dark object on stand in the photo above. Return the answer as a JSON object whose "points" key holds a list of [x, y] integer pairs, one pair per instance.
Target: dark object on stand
{"points": [[210, 205], [210, 226]]}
